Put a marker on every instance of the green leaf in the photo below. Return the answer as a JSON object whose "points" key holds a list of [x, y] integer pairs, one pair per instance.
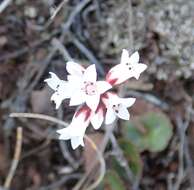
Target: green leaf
{"points": [[133, 134], [113, 181], [116, 165], [159, 131], [151, 131], [133, 156]]}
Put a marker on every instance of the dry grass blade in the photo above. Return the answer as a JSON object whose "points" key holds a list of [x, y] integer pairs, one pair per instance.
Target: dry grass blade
{"points": [[56, 11], [39, 116], [16, 158]]}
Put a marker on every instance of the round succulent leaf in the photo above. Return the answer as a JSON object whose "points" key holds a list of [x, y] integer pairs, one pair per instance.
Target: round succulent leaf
{"points": [[159, 130], [133, 134], [151, 131]]}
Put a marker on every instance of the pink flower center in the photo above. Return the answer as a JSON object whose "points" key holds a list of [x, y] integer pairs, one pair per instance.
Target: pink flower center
{"points": [[90, 88]]}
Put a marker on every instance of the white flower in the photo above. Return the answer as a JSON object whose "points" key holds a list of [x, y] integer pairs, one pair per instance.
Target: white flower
{"points": [[82, 87], [60, 87], [129, 67], [64, 89], [117, 106], [76, 130], [87, 88]]}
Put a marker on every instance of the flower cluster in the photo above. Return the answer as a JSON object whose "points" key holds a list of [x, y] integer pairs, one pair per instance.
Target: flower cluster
{"points": [[97, 103]]}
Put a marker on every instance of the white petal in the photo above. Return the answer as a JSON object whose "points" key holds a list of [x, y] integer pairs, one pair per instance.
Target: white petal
{"points": [[77, 98], [74, 83], [117, 68], [76, 141], [90, 74], [125, 76], [124, 56], [134, 58], [57, 99], [138, 69], [103, 86], [110, 99], [61, 131], [127, 102], [97, 119], [63, 91], [119, 74], [122, 72], [76, 130], [74, 68], [123, 113], [77, 127], [74, 79], [110, 116], [64, 133], [92, 101], [113, 99], [54, 81]]}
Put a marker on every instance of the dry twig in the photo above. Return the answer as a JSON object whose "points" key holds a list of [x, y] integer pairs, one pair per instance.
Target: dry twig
{"points": [[182, 127], [88, 54], [40, 116], [62, 49], [60, 6], [16, 158], [4, 5], [60, 182], [74, 13]]}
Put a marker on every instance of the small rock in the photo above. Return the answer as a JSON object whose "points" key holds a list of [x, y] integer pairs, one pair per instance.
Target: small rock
{"points": [[30, 12], [3, 41]]}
